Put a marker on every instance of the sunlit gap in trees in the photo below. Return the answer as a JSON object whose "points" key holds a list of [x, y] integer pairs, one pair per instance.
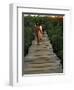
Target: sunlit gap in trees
{"points": [[49, 16]]}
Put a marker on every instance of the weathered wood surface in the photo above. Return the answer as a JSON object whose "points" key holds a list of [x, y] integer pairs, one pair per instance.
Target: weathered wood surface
{"points": [[41, 58]]}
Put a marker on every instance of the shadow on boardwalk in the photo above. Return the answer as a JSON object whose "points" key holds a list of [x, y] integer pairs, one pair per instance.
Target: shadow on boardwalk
{"points": [[41, 58]]}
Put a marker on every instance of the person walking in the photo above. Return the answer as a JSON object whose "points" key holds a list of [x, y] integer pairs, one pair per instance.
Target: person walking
{"points": [[38, 33]]}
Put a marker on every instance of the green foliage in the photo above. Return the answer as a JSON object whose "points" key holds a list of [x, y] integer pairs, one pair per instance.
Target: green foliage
{"points": [[28, 37], [55, 34]]}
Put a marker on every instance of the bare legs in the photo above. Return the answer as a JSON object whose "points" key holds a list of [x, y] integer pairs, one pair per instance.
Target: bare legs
{"points": [[39, 38]]}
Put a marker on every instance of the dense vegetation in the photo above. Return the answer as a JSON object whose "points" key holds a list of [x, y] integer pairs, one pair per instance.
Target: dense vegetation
{"points": [[55, 34], [53, 27], [28, 33]]}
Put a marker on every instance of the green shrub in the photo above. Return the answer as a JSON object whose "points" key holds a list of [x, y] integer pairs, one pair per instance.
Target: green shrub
{"points": [[55, 35], [28, 37]]}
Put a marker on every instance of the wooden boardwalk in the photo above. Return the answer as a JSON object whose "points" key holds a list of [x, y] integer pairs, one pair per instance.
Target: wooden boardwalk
{"points": [[41, 58]]}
